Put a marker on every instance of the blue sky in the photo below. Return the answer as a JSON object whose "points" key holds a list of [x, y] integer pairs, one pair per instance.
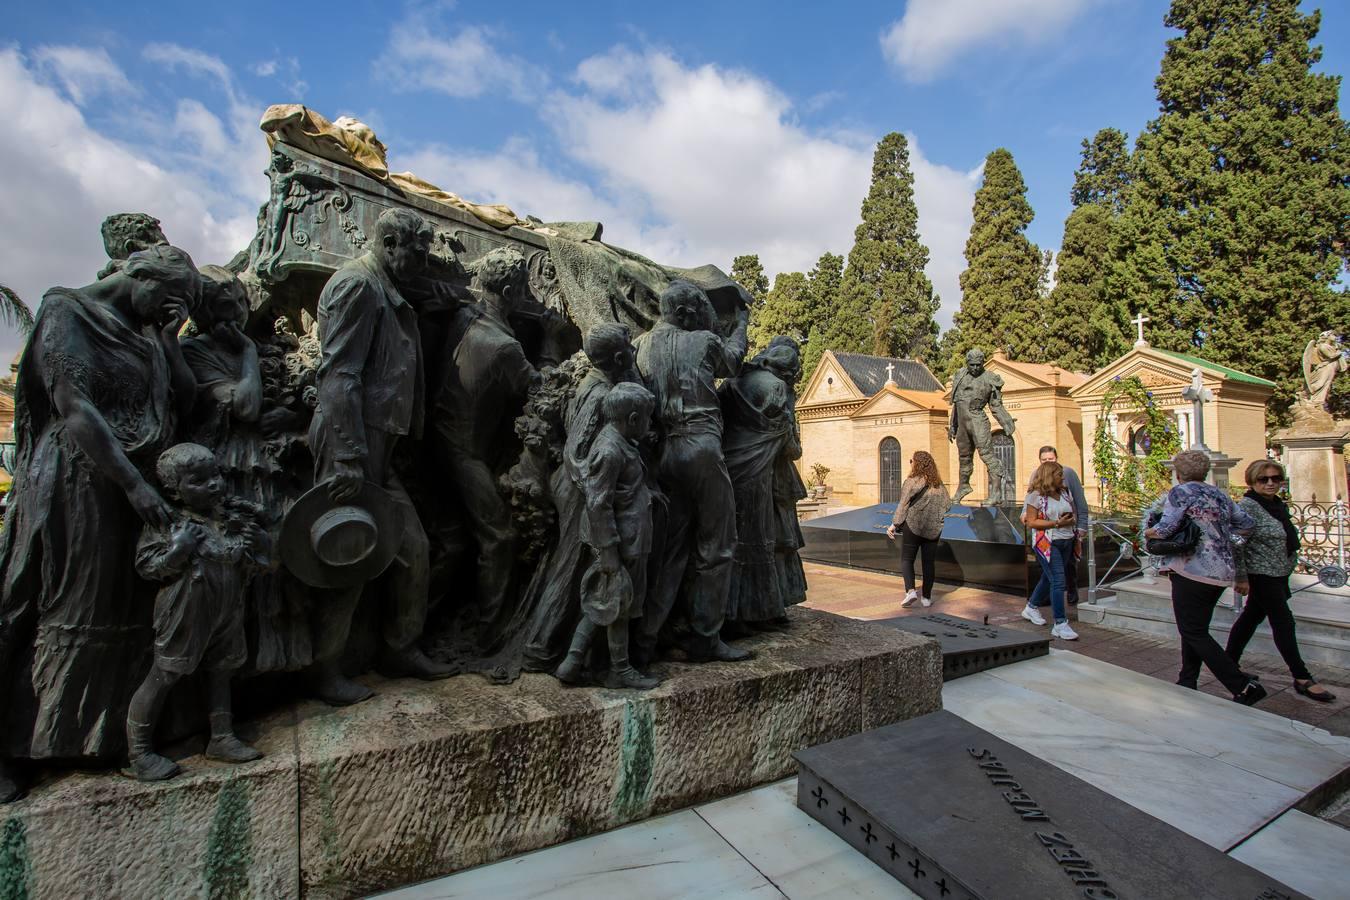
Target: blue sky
{"points": [[694, 131]]}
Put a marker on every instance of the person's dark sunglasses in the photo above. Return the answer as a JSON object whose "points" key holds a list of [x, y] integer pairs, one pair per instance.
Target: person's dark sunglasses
{"points": [[1269, 479]]}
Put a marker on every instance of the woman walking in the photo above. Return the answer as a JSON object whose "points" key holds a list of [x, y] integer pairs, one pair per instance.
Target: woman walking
{"points": [[1264, 563], [1200, 575], [1048, 509], [918, 517]]}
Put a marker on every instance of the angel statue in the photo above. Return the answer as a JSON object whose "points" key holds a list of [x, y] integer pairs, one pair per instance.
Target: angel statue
{"points": [[1323, 360]]}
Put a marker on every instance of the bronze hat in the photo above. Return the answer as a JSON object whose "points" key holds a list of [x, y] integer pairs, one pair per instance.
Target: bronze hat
{"points": [[328, 544]]}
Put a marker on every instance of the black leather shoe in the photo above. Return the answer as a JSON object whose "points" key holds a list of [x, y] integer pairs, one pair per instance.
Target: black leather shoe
{"points": [[1251, 695]]}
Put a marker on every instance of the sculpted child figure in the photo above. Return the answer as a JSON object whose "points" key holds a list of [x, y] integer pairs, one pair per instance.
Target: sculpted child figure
{"points": [[204, 557], [617, 527]]}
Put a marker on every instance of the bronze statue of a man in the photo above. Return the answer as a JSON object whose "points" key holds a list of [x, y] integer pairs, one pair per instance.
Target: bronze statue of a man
{"points": [[973, 389]]}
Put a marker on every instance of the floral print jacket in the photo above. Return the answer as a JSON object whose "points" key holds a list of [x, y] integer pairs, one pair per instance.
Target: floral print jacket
{"points": [[1218, 518]]}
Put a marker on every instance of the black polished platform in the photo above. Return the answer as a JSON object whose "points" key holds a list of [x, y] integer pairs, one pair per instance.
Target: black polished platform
{"points": [[981, 546], [954, 813], [969, 646]]}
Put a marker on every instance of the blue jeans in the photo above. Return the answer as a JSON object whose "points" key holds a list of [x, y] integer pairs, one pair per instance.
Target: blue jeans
{"points": [[1053, 574]]}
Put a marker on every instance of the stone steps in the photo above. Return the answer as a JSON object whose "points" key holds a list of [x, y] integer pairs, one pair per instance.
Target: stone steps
{"points": [[1140, 604]]}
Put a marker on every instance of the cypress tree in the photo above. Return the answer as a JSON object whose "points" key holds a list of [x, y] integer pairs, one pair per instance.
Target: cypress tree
{"points": [[784, 311], [822, 284], [749, 274], [1235, 224], [886, 302], [1000, 302], [1085, 328]]}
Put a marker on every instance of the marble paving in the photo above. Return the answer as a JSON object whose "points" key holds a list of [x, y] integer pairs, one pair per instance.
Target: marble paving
{"points": [[1225, 774]]}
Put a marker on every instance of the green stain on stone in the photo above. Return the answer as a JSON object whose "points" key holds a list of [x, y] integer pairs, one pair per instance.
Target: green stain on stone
{"points": [[637, 759], [15, 867], [229, 845]]}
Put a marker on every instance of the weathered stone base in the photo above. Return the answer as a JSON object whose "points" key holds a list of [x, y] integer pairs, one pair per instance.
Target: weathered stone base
{"points": [[430, 778]]}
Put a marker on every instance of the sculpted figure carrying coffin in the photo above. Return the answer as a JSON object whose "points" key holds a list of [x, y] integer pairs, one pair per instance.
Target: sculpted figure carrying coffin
{"points": [[485, 380], [681, 358], [371, 390], [973, 389], [102, 387]]}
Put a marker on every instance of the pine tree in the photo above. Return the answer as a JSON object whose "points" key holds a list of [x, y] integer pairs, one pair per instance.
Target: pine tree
{"points": [[1000, 305], [1235, 224], [1085, 328], [886, 302], [822, 296]]}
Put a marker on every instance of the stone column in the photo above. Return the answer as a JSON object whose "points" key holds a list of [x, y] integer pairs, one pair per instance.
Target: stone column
{"points": [[1316, 464]]}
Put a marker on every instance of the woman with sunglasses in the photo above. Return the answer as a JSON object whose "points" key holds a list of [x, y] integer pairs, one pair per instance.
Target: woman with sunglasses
{"points": [[1264, 564]]}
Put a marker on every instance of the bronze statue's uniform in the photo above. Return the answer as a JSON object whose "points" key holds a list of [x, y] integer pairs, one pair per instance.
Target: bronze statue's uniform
{"points": [[970, 425]]}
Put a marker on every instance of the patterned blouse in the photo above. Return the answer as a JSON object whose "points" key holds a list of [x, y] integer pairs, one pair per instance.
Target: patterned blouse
{"points": [[1264, 552], [1218, 517]]}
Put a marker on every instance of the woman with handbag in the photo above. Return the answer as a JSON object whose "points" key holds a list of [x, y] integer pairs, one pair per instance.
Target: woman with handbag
{"points": [[919, 517], [1201, 566], [1048, 509], [1264, 563]]}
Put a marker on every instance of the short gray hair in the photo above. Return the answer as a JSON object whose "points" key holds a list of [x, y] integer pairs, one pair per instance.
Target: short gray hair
{"points": [[1191, 465], [500, 268]]}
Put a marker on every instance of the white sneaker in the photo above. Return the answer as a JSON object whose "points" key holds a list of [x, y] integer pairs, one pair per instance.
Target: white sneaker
{"points": [[909, 600], [1033, 615], [926, 601], [1064, 632]]}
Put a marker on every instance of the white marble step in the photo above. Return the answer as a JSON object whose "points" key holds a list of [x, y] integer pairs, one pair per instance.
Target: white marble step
{"points": [[1304, 852], [1322, 618]]}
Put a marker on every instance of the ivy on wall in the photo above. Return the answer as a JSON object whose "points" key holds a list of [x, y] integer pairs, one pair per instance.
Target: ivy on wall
{"points": [[1130, 482]]}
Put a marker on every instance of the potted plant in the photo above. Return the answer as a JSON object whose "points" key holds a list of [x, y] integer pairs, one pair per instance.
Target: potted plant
{"points": [[819, 472]]}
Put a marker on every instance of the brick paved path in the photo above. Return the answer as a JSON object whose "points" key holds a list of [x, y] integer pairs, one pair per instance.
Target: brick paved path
{"points": [[871, 595]]}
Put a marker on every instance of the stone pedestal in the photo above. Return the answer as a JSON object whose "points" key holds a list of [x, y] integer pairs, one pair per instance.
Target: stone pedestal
{"points": [[429, 778], [1316, 464]]}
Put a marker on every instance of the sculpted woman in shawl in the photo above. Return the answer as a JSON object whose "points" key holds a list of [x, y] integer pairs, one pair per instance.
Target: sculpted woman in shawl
{"points": [[102, 384], [757, 416]]}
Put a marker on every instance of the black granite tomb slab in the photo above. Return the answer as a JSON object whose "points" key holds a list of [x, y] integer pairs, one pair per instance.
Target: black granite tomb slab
{"points": [[955, 813], [969, 646]]}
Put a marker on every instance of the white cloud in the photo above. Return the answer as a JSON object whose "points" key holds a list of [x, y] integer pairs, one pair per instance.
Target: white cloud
{"points": [[715, 164], [60, 177], [265, 69], [83, 72], [933, 33], [464, 64]]}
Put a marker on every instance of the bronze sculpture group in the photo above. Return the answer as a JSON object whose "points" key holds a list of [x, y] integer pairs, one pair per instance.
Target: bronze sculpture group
{"points": [[405, 478]]}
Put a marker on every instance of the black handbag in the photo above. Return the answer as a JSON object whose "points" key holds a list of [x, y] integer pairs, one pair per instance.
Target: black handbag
{"points": [[1182, 542]]}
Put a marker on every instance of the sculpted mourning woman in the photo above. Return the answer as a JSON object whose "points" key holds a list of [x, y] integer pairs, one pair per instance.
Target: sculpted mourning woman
{"points": [[102, 384]]}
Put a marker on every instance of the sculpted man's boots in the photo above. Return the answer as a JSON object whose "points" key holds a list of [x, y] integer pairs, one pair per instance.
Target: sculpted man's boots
{"points": [[621, 672], [146, 764], [411, 662], [572, 670], [326, 682], [225, 745]]}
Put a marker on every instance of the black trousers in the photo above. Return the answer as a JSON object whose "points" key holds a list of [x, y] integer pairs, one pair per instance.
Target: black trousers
{"points": [[1269, 599], [910, 546], [1193, 606]]}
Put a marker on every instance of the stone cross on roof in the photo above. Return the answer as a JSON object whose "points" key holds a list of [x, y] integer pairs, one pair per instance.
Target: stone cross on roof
{"points": [[1138, 321], [890, 373], [1198, 395]]}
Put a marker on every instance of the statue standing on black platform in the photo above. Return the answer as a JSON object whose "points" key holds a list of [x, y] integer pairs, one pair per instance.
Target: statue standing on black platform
{"points": [[973, 389], [371, 391], [681, 359]]}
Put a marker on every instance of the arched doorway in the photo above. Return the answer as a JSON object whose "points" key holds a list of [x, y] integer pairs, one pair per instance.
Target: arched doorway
{"points": [[1005, 451], [891, 475]]}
